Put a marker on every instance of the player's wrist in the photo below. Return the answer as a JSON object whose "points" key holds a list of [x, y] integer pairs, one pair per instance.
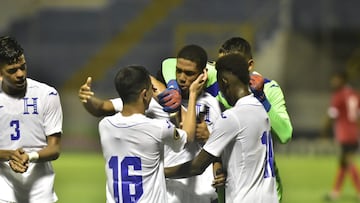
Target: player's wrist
{"points": [[172, 84], [33, 156], [265, 102]]}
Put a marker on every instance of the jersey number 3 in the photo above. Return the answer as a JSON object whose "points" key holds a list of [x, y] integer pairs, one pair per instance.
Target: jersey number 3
{"points": [[16, 125], [132, 185]]}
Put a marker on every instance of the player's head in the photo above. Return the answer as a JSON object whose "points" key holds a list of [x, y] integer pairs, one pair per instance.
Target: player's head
{"points": [[133, 85], [12, 66], [190, 63], [238, 45], [233, 76], [338, 80]]}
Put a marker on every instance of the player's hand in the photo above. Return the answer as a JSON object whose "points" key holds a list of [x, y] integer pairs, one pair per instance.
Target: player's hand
{"points": [[202, 132], [219, 179], [198, 85], [85, 92], [170, 98], [257, 85], [257, 88], [19, 161]]}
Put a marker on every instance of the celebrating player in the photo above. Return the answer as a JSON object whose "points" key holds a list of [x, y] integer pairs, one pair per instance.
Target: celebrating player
{"points": [[31, 128], [132, 143]]}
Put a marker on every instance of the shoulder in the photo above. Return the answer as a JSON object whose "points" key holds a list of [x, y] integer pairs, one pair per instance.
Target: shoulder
{"points": [[39, 85], [119, 121], [271, 83], [206, 98], [40, 88]]}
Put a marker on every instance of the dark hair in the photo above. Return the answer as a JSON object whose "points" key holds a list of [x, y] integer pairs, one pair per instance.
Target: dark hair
{"points": [[10, 50], [195, 54], [236, 64], [236, 45], [130, 81]]}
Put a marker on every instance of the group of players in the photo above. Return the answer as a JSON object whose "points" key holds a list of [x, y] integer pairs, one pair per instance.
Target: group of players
{"points": [[229, 137], [197, 132]]}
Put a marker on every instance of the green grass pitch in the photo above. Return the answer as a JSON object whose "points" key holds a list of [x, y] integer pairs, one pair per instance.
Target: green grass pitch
{"points": [[80, 178]]}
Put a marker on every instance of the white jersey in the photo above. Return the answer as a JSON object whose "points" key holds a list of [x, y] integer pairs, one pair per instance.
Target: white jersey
{"points": [[242, 138], [198, 185], [25, 123], [133, 148]]}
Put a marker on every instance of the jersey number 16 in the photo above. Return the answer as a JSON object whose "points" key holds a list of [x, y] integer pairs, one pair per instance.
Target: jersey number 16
{"points": [[132, 185]]}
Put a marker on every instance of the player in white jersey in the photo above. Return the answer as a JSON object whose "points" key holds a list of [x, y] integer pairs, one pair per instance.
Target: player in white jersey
{"points": [[133, 144], [242, 138], [191, 61], [31, 128]]}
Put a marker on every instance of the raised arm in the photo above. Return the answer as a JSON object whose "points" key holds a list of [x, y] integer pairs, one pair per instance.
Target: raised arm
{"points": [[279, 117], [189, 118], [269, 93], [95, 106]]}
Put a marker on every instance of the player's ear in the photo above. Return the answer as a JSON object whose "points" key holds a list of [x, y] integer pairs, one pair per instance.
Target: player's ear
{"points": [[143, 93], [251, 63], [225, 82], [146, 94]]}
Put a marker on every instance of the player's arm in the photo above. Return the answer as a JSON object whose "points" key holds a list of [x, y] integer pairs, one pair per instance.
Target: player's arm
{"points": [[95, 106], [189, 120], [50, 152], [191, 168], [279, 117]]}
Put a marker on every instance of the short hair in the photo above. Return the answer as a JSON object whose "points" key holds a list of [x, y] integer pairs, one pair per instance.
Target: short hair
{"points": [[236, 64], [10, 50], [195, 54], [130, 81], [236, 45]]}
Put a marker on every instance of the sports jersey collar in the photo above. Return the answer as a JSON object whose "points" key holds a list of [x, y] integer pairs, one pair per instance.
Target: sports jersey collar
{"points": [[249, 99]]}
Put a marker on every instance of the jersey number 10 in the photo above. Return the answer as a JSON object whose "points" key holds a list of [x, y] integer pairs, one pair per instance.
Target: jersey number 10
{"points": [[132, 185], [269, 167]]}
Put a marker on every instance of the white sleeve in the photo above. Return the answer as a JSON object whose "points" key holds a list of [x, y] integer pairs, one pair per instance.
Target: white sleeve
{"points": [[222, 135], [53, 116], [118, 104]]}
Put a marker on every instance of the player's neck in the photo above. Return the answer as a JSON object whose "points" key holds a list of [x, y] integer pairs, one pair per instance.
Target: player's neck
{"points": [[12, 92], [242, 93], [130, 109]]}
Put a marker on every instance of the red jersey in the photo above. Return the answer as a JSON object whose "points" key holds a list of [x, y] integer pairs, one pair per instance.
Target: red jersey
{"points": [[345, 105]]}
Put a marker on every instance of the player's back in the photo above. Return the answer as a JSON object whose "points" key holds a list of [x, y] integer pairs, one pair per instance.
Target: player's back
{"points": [[242, 135], [256, 179], [133, 152]]}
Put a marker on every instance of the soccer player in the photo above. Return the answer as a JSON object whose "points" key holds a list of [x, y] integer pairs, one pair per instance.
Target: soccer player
{"points": [[133, 144], [343, 115], [31, 128], [191, 61], [242, 138], [266, 90]]}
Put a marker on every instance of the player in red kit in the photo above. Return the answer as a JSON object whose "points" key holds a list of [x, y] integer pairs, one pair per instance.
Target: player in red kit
{"points": [[343, 116]]}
